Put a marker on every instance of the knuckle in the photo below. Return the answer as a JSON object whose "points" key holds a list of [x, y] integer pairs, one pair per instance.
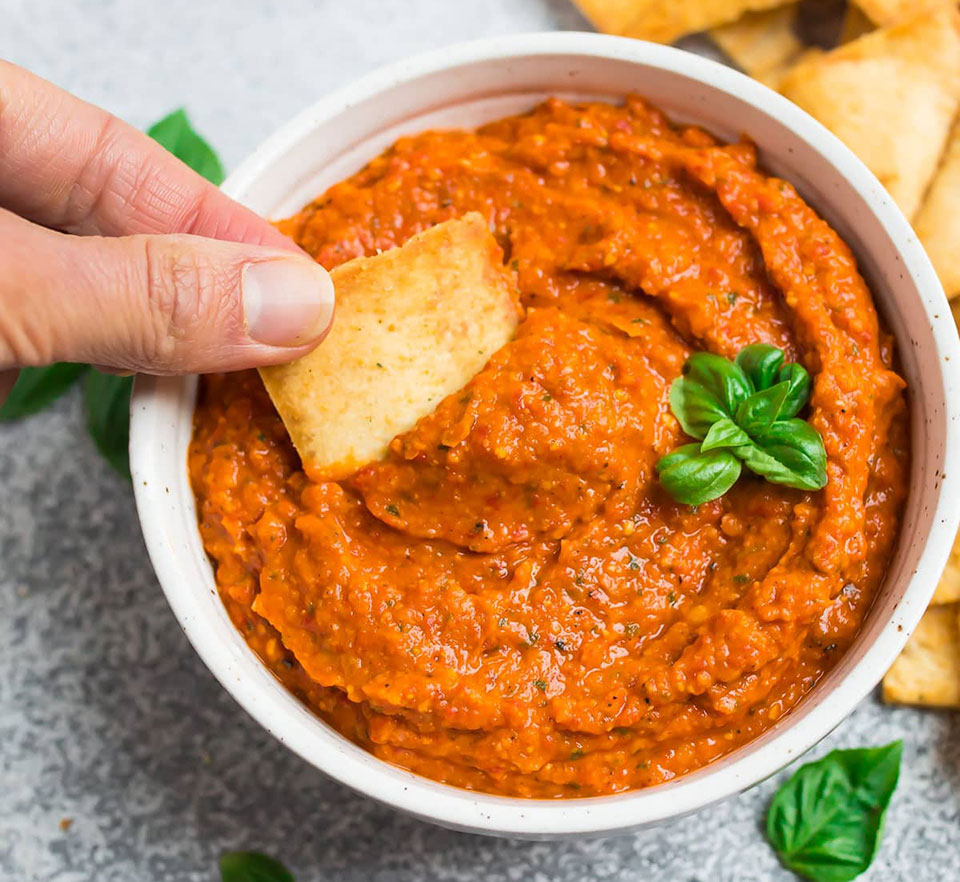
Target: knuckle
{"points": [[27, 336], [24, 344], [189, 303], [96, 179]]}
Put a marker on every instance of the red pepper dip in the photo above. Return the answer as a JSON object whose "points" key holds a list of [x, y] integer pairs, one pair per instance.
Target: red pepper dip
{"points": [[510, 602]]}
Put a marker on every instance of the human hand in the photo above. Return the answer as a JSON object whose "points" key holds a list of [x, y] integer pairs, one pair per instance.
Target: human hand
{"points": [[113, 252]]}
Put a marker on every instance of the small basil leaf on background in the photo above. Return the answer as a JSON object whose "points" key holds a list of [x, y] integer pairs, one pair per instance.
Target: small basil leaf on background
{"points": [[37, 387], [790, 452], [724, 433], [760, 362], [722, 378], [175, 133], [758, 412], [250, 866], [106, 399], [799, 380], [827, 820], [693, 477], [695, 408]]}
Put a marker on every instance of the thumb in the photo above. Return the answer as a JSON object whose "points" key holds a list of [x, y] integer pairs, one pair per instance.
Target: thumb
{"points": [[157, 304]]}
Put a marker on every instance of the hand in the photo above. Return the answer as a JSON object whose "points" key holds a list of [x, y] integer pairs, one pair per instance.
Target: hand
{"points": [[113, 252]]}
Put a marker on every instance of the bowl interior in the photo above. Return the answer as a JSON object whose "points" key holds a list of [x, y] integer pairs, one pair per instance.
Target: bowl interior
{"points": [[466, 86]]}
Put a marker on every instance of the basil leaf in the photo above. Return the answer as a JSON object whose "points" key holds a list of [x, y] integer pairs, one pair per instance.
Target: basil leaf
{"points": [[760, 410], [800, 385], [827, 820], [250, 866], [723, 379], [724, 433], [745, 409], [37, 387], [790, 452], [175, 133], [693, 477], [695, 408], [106, 400], [760, 362]]}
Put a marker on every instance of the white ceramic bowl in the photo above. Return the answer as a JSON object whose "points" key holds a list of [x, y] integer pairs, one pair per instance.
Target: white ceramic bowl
{"points": [[469, 84]]}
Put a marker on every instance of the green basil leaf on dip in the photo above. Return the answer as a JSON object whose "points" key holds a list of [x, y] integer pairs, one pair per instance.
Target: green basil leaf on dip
{"points": [[176, 134], [790, 452], [37, 387], [799, 382], [760, 410], [693, 477], [745, 409], [760, 362], [106, 401], [721, 377], [250, 866], [827, 820], [724, 433], [695, 407]]}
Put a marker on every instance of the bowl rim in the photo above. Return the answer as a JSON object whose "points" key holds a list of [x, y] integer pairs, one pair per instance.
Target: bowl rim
{"points": [[500, 815]]}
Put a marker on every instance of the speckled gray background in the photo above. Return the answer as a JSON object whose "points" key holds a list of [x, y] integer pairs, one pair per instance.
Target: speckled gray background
{"points": [[107, 717]]}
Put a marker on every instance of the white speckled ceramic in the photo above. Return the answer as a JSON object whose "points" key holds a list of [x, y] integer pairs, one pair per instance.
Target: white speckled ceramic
{"points": [[469, 84]]}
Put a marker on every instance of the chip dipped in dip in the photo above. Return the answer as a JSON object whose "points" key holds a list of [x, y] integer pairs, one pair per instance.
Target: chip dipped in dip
{"points": [[510, 601]]}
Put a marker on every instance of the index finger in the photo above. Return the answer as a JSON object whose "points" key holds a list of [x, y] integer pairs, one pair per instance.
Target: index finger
{"points": [[74, 167]]}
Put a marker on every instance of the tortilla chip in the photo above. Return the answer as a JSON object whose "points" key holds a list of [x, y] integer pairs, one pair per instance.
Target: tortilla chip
{"points": [[760, 41], [887, 12], [928, 670], [664, 21], [938, 221], [412, 326], [891, 96]]}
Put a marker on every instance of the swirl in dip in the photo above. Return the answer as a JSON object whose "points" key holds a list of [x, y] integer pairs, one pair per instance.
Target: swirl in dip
{"points": [[510, 602]]}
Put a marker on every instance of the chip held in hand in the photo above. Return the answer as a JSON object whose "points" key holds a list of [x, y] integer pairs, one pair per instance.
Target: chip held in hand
{"points": [[412, 325]]}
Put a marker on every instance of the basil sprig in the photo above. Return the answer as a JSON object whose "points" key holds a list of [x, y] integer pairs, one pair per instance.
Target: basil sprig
{"points": [[106, 397], [743, 413], [827, 820]]}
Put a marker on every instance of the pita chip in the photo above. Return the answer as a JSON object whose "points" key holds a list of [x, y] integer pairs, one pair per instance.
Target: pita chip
{"points": [[938, 221], [412, 325], [664, 21], [760, 42], [928, 670], [948, 588], [890, 96], [774, 77], [887, 12]]}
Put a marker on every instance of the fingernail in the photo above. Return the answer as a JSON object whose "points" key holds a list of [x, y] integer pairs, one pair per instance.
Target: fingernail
{"points": [[287, 301]]}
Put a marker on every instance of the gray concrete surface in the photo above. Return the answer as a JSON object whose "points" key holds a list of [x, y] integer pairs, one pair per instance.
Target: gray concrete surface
{"points": [[108, 721]]}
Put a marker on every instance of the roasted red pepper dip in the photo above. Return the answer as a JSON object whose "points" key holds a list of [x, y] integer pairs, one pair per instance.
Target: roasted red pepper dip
{"points": [[510, 602]]}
